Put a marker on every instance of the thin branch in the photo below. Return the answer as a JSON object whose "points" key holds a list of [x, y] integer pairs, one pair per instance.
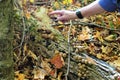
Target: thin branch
{"points": [[86, 24], [69, 51], [41, 3], [24, 29]]}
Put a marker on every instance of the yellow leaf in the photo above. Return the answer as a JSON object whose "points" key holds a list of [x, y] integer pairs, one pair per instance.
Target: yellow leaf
{"points": [[85, 34], [46, 66], [65, 2], [116, 63], [83, 37], [59, 75], [31, 54], [56, 5], [106, 49], [99, 56], [24, 2], [110, 38], [27, 15], [24, 48], [20, 76], [32, 1], [86, 30], [39, 74], [98, 36]]}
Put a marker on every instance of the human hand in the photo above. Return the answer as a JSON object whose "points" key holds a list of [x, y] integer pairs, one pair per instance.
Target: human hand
{"points": [[64, 15]]}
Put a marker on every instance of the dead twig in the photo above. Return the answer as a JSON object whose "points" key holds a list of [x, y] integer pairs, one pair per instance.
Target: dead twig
{"points": [[24, 27], [69, 51], [38, 3], [86, 24]]}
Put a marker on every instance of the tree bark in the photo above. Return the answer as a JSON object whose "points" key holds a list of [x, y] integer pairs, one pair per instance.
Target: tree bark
{"points": [[6, 38]]}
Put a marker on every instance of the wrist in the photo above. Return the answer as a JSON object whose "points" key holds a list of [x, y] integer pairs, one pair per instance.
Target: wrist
{"points": [[79, 14]]}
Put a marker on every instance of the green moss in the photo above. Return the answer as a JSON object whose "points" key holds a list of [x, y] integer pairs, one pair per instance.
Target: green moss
{"points": [[5, 12], [6, 38]]}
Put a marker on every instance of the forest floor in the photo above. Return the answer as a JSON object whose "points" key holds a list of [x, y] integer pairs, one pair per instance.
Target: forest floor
{"points": [[45, 49]]}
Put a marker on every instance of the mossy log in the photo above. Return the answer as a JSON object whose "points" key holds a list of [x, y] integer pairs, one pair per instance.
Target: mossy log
{"points": [[6, 37]]}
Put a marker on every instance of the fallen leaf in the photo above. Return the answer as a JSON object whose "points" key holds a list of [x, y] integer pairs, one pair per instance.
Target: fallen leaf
{"points": [[31, 54], [106, 49], [27, 14], [32, 1], [83, 37], [85, 34], [20, 76], [56, 4], [46, 66], [65, 2], [59, 75], [98, 36], [99, 56], [110, 38], [24, 2], [53, 73], [58, 61], [117, 63], [39, 74], [25, 48]]}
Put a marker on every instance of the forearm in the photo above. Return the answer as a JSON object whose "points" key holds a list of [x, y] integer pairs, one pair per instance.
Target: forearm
{"points": [[91, 9]]}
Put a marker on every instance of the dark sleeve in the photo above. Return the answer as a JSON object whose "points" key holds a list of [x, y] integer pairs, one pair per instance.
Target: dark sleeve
{"points": [[108, 5]]}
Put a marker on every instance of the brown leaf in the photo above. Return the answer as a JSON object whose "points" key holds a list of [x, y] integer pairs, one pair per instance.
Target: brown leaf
{"points": [[53, 73], [58, 61]]}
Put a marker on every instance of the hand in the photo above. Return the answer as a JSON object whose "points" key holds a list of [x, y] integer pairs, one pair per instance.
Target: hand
{"points": [[64, 15]]}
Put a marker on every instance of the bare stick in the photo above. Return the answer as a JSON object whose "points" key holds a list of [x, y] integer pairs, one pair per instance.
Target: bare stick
{"points": [[86, 24], [24, 29], [69, 51]]}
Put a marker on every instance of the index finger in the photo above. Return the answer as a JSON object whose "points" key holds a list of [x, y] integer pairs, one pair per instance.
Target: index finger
{"points": [[58, 12]]}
